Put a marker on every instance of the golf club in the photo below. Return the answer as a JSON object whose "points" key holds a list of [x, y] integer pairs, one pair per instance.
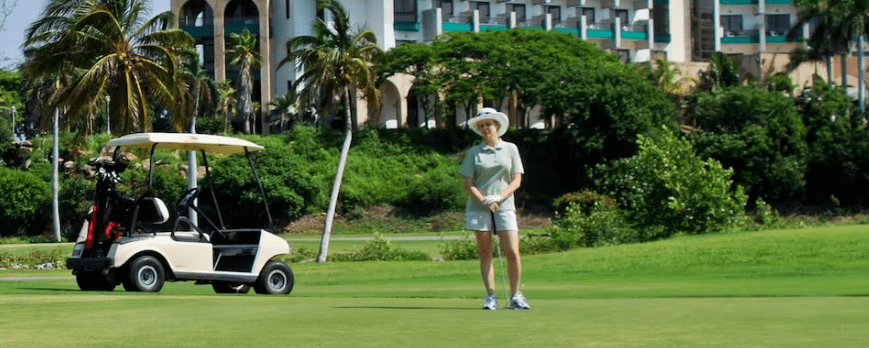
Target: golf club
{"points": [[500, 262]]}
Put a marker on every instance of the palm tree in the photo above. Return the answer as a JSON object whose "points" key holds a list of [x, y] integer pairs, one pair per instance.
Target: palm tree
{"points": [[200, 96], [227, 102], [105, 48], [832, 36], [90, 49], [200, 91], [336, 62], [284, 104], [243, 53]]}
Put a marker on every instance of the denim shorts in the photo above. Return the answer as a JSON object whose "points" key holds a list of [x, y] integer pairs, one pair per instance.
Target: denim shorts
{"points": [[505, 220]]}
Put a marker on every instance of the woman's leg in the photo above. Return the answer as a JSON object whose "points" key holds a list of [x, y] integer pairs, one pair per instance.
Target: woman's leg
{"points": [[510, 244], [484, 248]]}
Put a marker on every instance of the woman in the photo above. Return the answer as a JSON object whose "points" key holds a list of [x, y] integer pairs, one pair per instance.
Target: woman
{"points": [[493, 171]]}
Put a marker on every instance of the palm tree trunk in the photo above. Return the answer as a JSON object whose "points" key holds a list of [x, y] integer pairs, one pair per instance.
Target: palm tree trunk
{"points": [[336, 185], [55, 185], [862, 78], [829, 60], [845, 70], [191, 160]]}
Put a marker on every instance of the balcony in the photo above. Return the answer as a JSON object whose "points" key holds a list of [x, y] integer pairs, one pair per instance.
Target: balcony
{"points": [[741, 37], [199, 31], [638, 4], [738, 2], [599, 31], [457, 27], [571, 31], [662, 38], [239, 28], [610, 3], [406, 26], [635, 34], [492, 27]]}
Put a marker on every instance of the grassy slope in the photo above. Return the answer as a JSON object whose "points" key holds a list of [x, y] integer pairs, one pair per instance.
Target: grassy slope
{"points": [[790, 288]]}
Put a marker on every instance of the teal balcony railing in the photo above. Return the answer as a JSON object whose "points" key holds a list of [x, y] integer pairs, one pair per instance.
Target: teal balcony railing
{"points": [[405, 26], [634, 35], [253, 28], [599, 34], [492, 27], [200, 31], [457, 27]]}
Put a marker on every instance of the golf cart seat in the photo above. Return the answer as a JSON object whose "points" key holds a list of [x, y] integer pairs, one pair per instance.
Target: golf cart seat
{"points": [[152, 211]]}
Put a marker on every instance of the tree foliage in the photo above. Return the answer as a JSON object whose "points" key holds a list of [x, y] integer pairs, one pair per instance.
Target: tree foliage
{"points": [[757, 133], [89, 49], [670, 189]]}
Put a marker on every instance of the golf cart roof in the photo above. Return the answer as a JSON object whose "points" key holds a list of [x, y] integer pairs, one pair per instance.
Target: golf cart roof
{"points": [[187, 142]]}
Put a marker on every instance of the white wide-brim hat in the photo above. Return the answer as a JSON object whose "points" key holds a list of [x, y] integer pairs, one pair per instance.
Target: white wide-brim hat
{"points": [[490, 114]]}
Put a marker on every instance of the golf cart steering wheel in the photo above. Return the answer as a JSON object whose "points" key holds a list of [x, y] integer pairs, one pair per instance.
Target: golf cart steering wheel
{"points": [[189, 196]]}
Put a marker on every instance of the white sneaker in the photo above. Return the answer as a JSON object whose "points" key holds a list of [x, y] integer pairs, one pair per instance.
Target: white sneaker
{"points": [[518, 302], [491, 302]]}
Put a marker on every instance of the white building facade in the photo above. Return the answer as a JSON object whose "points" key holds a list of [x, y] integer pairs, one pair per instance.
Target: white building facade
{"points": [[685, 32]]}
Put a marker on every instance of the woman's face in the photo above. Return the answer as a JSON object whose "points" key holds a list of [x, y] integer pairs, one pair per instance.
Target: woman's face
{"points": [[488, 129]]}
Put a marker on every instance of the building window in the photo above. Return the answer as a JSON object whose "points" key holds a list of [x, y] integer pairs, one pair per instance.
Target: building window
{"points": [[732, 24], [555, 11], [287, 4], [405, 11], [519, 9], [778, 24], [483, 8], [588, 12], [623, 15], [446, 7], [661, 18]]}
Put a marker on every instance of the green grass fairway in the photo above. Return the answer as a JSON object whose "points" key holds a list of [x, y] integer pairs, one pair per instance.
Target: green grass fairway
{"points": [[788, 288]]}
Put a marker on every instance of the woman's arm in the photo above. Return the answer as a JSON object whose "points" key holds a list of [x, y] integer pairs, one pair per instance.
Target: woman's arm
{"points": [[471, 188], [515, 182]]}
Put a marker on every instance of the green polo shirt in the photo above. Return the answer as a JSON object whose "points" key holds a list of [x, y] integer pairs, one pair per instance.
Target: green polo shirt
{"points": [[491, 169]]}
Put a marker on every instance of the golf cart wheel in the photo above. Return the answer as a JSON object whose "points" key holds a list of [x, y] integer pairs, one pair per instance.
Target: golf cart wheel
{"points": [[230, 287], [276, 278], [146, 274], [94, 281]]}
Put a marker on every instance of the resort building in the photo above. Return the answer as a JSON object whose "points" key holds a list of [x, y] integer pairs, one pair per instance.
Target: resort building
{"points": [[685, 32]]}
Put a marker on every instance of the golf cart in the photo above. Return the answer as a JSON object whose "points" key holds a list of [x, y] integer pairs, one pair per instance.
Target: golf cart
{"points": [[125, 239]]}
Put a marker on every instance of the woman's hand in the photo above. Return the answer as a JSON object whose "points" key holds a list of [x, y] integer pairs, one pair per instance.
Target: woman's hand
{"points": [[493, 207]]}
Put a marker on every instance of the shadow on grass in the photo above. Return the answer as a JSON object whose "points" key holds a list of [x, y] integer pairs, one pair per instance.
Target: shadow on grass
{"points": [[404, 307]]}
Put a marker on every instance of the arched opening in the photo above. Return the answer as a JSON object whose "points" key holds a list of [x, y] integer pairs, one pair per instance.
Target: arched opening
{"points": [[241, 15], [390, 110], [197, 19], [241, 12]]}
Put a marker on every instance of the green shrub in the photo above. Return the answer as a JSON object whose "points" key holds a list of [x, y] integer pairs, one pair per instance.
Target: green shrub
{"points": [[74, 203], [590, 222], [585, 202], [56, 257], [463, 249], [440, 189], [24, 198], [380, 249], [668, 185], [466, 249], [290, 191], [765, 216]]}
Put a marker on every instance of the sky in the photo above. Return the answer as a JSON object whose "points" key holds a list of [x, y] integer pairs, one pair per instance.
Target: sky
{"points": [[25, 13]]}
